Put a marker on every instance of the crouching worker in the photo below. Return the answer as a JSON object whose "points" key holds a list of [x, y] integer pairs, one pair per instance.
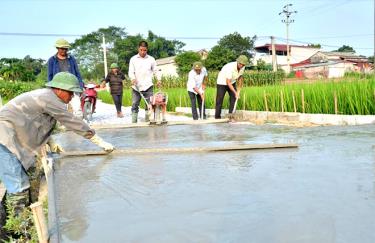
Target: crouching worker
{"points": [[158, 102], [26, 124]]}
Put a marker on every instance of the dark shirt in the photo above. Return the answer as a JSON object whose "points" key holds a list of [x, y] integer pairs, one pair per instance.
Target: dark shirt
{"points": [[54, 67], [63, 65], [115, 82]]}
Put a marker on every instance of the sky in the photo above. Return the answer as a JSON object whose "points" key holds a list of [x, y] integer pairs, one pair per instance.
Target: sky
{"points": [[197, 23]]}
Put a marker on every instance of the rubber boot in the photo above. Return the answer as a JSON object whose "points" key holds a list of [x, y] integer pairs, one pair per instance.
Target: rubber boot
{"points": [[147, 116], [163, 121], [19, 201], [134, 117]]}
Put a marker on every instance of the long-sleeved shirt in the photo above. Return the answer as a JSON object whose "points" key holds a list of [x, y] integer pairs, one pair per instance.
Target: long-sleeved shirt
{"points": [[229, 71], [142, 69], [54, 67], [115, 82], [195, 80], [27, 121]]}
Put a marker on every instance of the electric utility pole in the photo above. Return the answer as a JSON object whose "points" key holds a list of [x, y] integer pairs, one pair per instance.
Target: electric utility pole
{"points": [[287, 21], [105, 57]]}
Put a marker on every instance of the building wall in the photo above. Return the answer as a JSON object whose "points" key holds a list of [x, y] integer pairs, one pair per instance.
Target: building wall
{"points": [[297, 54], [168, 70]]}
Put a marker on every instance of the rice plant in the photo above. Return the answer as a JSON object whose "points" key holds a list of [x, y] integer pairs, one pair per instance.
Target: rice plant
{"points": [[355, 96]]}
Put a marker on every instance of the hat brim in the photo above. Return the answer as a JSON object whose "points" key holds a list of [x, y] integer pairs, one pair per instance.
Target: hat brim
{"points": [[56, 86]]}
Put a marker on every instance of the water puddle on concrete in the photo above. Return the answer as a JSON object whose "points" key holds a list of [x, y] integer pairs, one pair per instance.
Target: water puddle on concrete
{"points": [[322, 192]]}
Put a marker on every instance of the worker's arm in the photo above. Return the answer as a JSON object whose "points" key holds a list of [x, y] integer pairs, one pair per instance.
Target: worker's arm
{"points": [[131, 72], [58, 111], [231, 87], [239, 84]]}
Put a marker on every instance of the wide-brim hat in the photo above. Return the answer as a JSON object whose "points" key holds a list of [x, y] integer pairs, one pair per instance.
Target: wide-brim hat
{"points": [[65, 81]]}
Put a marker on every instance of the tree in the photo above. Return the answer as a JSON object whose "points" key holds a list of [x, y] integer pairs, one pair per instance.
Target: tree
{"points": [[371, 59], [159, 47], [218, 57], [315, 45], [24, 69], [120, 48], [228, 49], [185, 61], [89, 53], [346, 48], [262, 65], [238, 44]]}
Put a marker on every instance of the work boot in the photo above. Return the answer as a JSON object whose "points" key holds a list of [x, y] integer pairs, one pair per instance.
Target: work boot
{"points": [[134, 117], [163, 121], [19, 201]]}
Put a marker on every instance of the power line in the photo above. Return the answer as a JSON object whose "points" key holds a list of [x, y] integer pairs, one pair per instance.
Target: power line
{"points": [[333, 37], [304, 42], [37, 34]]}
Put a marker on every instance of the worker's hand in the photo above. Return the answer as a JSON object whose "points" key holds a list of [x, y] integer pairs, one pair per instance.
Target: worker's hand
{"points": [[53, 147], [202, 95], [134, 82], [101, 143], [158, 84], [203, 86], [237, 94]]}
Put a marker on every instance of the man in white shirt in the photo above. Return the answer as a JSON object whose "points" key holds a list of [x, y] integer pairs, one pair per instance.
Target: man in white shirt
{"points": [[142, 68], [226, 82], [196, 86]]}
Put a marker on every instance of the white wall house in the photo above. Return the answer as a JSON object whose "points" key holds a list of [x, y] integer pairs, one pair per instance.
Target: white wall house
{"points": [[297, 54], [167, 67]]}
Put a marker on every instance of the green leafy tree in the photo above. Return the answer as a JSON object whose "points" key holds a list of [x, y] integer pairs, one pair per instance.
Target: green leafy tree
{"points": [[346, 48], [185, 61], [125, 49], [263, 66], [238, 44], [20, 69], [88, 50], [218, 57], [371, 59], [315, 45], [228, 49], [159, 47]]}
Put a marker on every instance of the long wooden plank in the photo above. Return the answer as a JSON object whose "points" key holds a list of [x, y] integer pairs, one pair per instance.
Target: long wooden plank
{"points": [[170, 123], [181, 150]]}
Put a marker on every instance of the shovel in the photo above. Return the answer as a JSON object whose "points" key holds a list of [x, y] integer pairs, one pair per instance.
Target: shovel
{"points": [[202, 109], [136, 89]]}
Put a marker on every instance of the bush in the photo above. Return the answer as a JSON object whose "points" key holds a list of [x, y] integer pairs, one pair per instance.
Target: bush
{"points": [[9, 90]]}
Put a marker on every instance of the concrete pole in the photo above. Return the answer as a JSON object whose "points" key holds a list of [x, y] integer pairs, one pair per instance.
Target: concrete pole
{"points": [[274, 65], [105, 61], [105, 57], [287, 21], [287, 44]]}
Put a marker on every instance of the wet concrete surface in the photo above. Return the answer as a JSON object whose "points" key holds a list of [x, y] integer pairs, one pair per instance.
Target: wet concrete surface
{"points": [[322, 192]]}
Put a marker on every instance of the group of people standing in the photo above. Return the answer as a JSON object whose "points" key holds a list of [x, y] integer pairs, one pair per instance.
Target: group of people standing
{"points": [[142, 69]]}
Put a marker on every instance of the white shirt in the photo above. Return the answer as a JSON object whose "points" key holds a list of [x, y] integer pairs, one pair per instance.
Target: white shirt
{"points": [[142, 69], [195, 80], [229, 71]]}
